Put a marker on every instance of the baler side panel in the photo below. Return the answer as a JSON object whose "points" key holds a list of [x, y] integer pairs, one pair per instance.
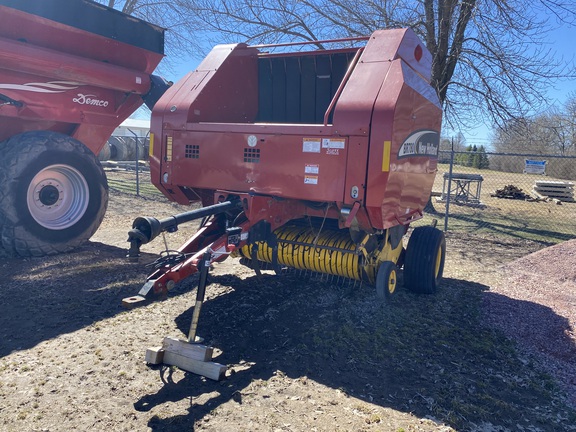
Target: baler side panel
{"points": [[288, 166], [352, 114], [222, 88], [399, 190]]}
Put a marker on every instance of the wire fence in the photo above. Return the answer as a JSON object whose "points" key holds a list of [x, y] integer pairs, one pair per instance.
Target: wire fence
{"points": [[125, 160], [511, 195], [524, 196]]}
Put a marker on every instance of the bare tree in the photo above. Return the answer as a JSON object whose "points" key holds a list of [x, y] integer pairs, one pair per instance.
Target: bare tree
{"points": [[491, 59], [184, 38], [553, 132]]}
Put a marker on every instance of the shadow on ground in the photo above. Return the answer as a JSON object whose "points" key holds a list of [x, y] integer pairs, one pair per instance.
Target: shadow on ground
{"points": [[426, 355], [41, 298], [513, 228]]}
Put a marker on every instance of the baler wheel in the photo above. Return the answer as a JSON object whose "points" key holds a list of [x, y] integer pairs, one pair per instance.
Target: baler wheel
{"points": [[53, 193], [424, 260], [386, 280]]}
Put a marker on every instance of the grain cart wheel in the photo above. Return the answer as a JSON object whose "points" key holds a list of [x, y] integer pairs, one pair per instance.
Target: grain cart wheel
{"points": [[424, 260], [53, 193], [386, 280]]}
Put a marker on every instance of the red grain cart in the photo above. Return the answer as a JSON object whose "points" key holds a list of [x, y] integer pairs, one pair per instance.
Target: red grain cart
{"points": [[70, 72], [313, 160]]}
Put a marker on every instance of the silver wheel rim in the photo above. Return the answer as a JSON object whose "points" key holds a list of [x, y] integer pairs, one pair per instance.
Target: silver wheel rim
{"points": [[58, 197]]}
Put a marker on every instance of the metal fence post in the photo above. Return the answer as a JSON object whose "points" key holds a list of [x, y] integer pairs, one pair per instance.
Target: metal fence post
{"points": [[137, 164]]}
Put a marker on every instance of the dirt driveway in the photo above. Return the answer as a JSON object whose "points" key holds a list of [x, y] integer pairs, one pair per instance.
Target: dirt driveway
{"points": [[303, 353]]}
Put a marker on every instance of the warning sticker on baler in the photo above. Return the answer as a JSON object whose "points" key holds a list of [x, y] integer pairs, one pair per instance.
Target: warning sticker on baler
{"points": [[333, 143], [309, 179], [311, 169], [420, 143], [311, 145]]}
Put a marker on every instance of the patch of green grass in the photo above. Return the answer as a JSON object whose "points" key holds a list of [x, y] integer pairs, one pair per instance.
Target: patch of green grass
{"points": [[129, 187], [544, 222], [435, 353]]}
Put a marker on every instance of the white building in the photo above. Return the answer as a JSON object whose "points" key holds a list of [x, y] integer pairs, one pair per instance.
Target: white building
{"points": [[129, 127]]}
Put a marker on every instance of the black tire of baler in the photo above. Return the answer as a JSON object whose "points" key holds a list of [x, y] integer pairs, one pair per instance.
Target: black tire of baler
{"points": [[382, 279], [24, 155], [420, 260]]}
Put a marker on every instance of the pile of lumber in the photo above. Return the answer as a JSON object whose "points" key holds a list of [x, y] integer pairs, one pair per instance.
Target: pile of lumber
{"points": [[510, 192], [554, 190]]}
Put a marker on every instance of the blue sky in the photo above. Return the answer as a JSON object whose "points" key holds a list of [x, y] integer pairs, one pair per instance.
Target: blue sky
{"points": [[562, 41]]}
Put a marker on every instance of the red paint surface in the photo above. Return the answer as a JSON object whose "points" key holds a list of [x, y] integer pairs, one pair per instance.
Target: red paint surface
{"points": [[36, 53], [386, 98]]}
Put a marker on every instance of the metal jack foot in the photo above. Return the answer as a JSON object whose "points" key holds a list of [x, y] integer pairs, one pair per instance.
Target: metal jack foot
{"points": [[190, 355]]}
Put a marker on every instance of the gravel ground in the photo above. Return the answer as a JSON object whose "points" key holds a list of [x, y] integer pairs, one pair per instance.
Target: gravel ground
{"points": [[534, 303], [302, 353]]}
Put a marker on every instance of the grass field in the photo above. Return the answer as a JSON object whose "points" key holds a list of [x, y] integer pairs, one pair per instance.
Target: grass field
{"points": [[125, 181], [545, 222]]}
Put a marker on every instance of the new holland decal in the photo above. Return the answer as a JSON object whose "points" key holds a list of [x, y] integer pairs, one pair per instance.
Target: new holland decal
{"points": [[420, 143]]}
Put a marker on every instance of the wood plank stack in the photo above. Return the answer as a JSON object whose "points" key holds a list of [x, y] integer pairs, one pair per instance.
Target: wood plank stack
{"points": [[561, 190]]}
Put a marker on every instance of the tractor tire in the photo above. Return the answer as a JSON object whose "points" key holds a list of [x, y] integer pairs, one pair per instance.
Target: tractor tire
{"points": [[53, 193], [386, 280], [119, 151], [106, 153], [424, 260]]}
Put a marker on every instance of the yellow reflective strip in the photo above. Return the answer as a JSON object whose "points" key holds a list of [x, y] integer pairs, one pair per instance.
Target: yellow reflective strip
{"points": [[151, 149], [386, 156]]}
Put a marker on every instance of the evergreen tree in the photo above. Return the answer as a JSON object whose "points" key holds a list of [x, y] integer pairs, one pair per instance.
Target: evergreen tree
{"points": [[484, 162]]}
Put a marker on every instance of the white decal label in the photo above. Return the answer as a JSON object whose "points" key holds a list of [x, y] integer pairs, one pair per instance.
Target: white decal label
{"points": [[311, 145], [83, 99], [311, 169], [309, 179], [252, 141], [333, 143]]}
